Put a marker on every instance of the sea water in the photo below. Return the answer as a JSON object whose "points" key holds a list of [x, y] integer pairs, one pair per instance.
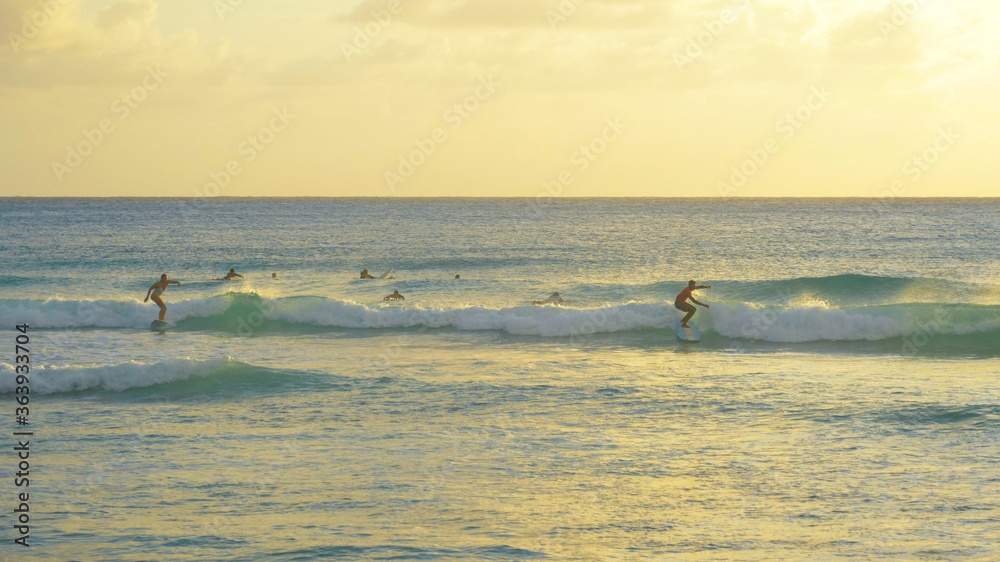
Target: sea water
{"points": [[844, 400]]}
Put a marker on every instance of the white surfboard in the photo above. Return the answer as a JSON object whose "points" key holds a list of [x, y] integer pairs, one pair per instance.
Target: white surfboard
{"points": [[688, 334], [386, 274], [159, 326]]}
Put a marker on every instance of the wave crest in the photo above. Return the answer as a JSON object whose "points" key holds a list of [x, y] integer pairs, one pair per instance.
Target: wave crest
{"points": [[117, 378], [246, 313]]}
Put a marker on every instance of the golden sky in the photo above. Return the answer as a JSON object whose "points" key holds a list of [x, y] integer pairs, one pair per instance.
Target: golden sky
{"points": [[534, 98]]}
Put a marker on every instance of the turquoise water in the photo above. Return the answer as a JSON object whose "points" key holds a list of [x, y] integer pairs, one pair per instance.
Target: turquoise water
{"points": [[843, 402]]}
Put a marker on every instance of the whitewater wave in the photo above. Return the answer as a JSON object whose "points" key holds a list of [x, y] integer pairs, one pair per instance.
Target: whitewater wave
{"points": [[811, 323], [59, 313], [122, 377], [522, 320], [247, 314], [840, 290]]}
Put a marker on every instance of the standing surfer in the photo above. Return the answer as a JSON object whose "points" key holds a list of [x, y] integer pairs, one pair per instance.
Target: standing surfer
{"points": [[156, 289], [680, 303]]}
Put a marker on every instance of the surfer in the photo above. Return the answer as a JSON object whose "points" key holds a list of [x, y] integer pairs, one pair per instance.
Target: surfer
{"points": [[458, 276], [554, 298], [395, 296], [231, 276], [366, 275], [680, 303], [156, 289]]}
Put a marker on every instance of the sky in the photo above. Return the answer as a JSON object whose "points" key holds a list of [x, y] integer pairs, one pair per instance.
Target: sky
{"points": [[518, 98]]}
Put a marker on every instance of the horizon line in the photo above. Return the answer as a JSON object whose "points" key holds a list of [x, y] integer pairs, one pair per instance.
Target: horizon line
{"points": [[510, 197]]}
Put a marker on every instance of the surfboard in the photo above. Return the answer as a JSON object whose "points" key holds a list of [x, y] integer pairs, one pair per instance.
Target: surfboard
{"points": [[386, 274], [688, 334], [159, 326]]}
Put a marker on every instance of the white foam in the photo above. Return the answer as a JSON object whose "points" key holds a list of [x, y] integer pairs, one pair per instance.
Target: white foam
{"points": [[805, 324], [525, 320], [58, 313], [115, 378], [776, 324]]}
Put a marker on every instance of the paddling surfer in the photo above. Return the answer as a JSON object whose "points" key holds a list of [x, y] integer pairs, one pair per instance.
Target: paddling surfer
{"points": [[231, 276], [156, 289], [680, 303], [554, 298]]}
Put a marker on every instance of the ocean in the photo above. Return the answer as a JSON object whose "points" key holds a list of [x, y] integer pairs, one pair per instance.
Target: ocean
{"points": [[844, 400]]}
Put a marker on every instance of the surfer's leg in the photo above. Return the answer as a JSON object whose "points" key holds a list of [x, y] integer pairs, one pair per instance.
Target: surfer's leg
{"points": [[690, 314], [686, 318], [163, 307]]}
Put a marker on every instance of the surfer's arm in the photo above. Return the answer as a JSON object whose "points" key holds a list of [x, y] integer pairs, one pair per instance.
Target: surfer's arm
{"points": [[238, 275], [698, 302], [178, 283], [702, 287], [149, 292]]}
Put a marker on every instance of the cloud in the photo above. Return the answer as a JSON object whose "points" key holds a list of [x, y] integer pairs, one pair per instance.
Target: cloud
{"points": [[871, 38], [128, 12], [13, 13], [36, 26], [509, 14], [109, 50]]}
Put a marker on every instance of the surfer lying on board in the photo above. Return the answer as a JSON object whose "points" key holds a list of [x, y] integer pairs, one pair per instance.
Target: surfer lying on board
{"points": [[231, 276], [366, 275], [554, 298], [156, 289], [680, 303], [395, 296]]}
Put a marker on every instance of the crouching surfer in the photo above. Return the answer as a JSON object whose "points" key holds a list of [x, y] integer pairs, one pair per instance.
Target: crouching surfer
{"points": [[156, 289], [680, 303]]}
